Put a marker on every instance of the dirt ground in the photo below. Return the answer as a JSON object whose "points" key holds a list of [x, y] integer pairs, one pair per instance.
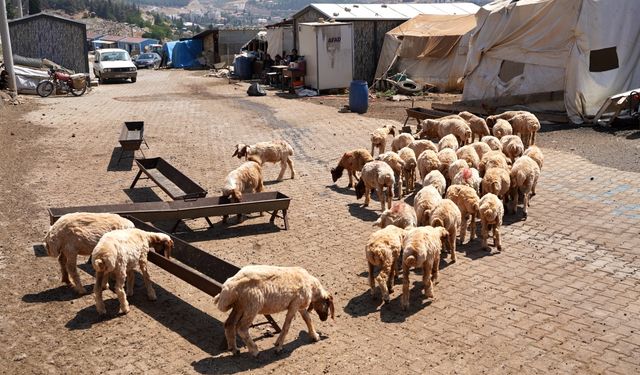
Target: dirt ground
{"points": [[562, 297]]}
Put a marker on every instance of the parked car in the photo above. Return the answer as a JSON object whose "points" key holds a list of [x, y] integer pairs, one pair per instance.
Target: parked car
{"points": [[113, 63], [148, 60]]}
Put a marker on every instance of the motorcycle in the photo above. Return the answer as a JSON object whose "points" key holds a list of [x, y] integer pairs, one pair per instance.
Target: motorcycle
{"points": [[59, 81]]}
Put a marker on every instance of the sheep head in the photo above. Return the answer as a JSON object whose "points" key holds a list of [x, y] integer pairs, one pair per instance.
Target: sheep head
{"points": [[392, 130], [323, 307], [360, 189], [444, 234], [336, 172], [241, 151]]}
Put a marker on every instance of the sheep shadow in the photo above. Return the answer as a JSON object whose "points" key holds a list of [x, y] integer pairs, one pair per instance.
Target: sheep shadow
{"points": [[120, 160], [342, 190], [363, 213], [231, 364], [390, 312], [61, 293], [473, 249], [142, 194], [39, 251]]}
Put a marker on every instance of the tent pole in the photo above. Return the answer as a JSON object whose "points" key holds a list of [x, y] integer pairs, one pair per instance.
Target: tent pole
{"points": [[7, 53]]}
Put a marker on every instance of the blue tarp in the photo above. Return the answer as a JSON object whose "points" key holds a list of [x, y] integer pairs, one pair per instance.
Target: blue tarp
{"points": [[184, 53]]}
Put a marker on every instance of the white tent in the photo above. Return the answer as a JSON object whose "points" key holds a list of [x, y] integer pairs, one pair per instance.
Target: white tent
{"points": [[429, 48], [587, 48], [279, 38]]}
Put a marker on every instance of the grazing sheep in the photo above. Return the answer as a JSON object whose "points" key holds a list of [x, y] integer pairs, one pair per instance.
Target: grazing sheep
{"points": [[77, 234], [507, 116], [437, 180], [383, 250], [482, 148], [119, 252], [400, 214], [493, 143], [502, 128], [379, 137], [496, 181], [376, 175], [454, 124], [467, 200], [468, 177], [447, 215], [425, 201], [420, 145], [493, 159], [469, 154], [491, 212], [409, 170], [247, 178], [401, 140], [352, 161], [264, 289], [397, 164], [448, 141], [427, 162], [535, 153], [421, 248], [526, 125], [512, 147], [477, 124], [446, 157], [456, 167], [269, 152], [524, 178]]}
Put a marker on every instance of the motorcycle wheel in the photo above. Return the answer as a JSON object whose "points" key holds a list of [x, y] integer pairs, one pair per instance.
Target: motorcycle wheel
{"points": [[78, 92], [45, 88]]}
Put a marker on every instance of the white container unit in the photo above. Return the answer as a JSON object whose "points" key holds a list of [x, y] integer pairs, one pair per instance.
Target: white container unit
{"points": [[327, 48]]}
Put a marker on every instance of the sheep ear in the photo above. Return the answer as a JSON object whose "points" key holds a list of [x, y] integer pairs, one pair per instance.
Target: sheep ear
{"points": [[331, 307], [235, 153]]}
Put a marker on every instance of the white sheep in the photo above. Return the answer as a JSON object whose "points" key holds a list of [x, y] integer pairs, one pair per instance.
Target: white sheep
{"points": [[469, 154], [397, 164], [496, 181], [477, 124], [448, 141], [437, 180], [421, 248], [446, 158], [468, 177], [420, 145], [493, 159], [401, 140], [262, 289], [247, 178], [507, 116], [501, 128], [409, 171], [512, 146], [491, 212], [467, 200], [352, 161], [427, 162], [447, 215], [379, 137], [269, 152], [77, 234], [456, 167], [482, 148], [441, 127], [536, 154], [426, 199], [524, 178], [526, 125], [382, 250], [376, 175], [493, 143], [400, 214], [118, 253]]}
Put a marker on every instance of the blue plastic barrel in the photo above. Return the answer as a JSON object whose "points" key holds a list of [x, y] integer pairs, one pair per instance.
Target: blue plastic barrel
{"points": [[358, 96], [243, 67]]}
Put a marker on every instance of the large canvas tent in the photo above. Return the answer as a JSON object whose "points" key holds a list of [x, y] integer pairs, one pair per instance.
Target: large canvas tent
{"points": [[587, 48], [430, 49]]}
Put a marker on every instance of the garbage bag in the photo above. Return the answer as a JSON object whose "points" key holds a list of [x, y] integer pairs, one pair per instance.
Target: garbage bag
{"points": [[256, 90]]}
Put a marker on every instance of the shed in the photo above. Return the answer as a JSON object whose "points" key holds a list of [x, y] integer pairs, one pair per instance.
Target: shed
{"points": [[370, 24], [58, 39], [210, 46], [135, 45], [586, 49]]}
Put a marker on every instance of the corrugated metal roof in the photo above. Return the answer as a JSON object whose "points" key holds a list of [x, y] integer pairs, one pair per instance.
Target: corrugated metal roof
{"points": [[111, 38], [352, 12], [133, 40]]}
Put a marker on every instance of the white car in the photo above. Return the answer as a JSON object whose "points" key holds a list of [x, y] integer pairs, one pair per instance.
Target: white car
{"points": [[113, 63]]}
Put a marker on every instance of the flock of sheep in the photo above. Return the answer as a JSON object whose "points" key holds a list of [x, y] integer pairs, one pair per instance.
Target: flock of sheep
{"points": [[459, 184], [461, 180]]}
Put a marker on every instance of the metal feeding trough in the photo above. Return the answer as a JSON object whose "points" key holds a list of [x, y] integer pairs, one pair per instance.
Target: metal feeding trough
{"points": [[131, 137], [169, 179]]}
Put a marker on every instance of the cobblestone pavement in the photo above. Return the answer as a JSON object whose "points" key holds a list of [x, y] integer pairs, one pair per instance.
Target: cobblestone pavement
{"points": [[562, 296]]}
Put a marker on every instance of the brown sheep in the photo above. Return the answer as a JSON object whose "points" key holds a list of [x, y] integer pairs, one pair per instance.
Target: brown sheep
{"points": [[382, 250], [448, 216], [352, 161]]}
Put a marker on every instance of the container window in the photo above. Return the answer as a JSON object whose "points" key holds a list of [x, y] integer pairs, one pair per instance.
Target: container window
{"points": [[601, 60], [510, 70]]}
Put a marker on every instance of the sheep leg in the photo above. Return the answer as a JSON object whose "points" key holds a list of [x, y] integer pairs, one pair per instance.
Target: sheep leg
{"points": [[293, 171], [405, 281], [97, 292], [230, 330], [243, 331], [427, 267], [372, 283], [381, 147], [533, 188], [131, 278], [307, 319], [392, 274], [515, 195], [384, 280], [62, 260], [485, 234], [496, 237], [381, 196], [291, 313], [367, 196], [151, 293], [350, 178], [283, 168], [525, 203], [452, 244], [435, 271], [473, 227], [463, 228], [122, 296], [372, 148], [73, 272]]}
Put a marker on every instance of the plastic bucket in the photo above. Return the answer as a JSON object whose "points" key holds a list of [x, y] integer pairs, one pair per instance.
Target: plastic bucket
{"points": [[358, 96], [243, 67]]}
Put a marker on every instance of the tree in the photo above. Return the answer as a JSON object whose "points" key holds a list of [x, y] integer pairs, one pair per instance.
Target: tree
{"points": [[34, 6]]}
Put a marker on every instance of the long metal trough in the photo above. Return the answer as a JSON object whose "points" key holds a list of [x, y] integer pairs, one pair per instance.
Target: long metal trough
{"points": [[173, 182]]}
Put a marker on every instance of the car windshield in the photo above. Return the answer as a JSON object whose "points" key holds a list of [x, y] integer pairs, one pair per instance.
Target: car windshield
{"points": [[146, 56], [115, 56]]}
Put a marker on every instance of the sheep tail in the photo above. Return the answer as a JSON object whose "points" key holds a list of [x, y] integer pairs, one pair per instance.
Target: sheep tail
{"points": [[225, 300], [410, 261], [98, 265], [289, 150]]}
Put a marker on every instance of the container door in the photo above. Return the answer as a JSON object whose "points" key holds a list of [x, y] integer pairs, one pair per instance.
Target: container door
{"points": [[307, 41], [335, 56]]}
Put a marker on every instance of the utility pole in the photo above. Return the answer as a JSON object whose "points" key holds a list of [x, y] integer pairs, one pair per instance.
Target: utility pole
{"points": [[6, 48]]}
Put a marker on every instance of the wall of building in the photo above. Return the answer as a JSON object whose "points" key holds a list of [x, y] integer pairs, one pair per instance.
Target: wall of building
{"points": [[230, 41]]}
